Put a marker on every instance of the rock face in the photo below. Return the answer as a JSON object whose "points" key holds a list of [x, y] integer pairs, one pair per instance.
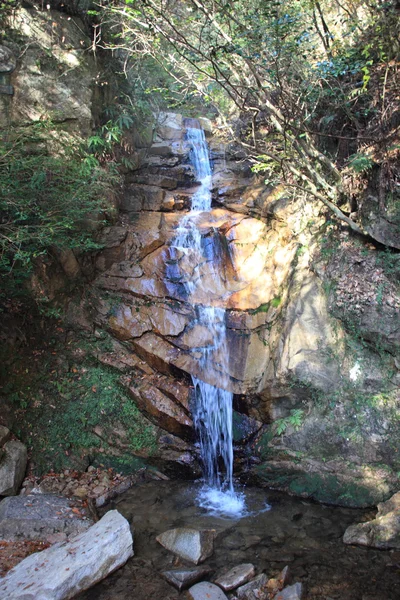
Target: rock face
{"points": [[297, 361], [65, 569], [190, 544], [38, 516], [383, 532], [13, 462], [46, 82], [289, 348]]}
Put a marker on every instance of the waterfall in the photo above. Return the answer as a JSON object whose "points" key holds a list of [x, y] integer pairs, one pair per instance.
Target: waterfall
{"points": [[212, 411]]}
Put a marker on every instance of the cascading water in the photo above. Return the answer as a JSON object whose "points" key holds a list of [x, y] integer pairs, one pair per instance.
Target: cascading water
{"points": [[213, 406]]}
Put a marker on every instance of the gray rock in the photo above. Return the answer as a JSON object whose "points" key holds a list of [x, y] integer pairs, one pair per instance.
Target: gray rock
{"points": [[205, 591], [181, 579], [292, 592], [12, 468], [190, 544], [8, 62], [236, 577], [65, 569], [5, 435], [382, 532], [37, 516], [254, 590]]}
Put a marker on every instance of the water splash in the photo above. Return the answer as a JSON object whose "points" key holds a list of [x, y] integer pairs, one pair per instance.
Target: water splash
{"points": [[212, 412]]}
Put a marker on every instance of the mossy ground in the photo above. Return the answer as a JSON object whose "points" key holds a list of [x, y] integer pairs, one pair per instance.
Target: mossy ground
{"points": [[60, 395]]}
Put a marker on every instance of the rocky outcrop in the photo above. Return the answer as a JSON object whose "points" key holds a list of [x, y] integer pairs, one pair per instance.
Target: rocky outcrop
{"points": [[54, 80], [65, 569], [307, 382], [383, 532]]}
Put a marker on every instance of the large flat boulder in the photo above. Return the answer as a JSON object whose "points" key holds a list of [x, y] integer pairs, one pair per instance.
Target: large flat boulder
{"points": [[65, 569], [12, 467], [38, 516]]}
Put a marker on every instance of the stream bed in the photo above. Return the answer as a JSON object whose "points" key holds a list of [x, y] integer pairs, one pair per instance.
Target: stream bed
{"points": [[277, 530]]}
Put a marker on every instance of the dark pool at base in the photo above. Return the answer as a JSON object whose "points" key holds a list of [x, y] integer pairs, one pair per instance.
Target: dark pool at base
{"points": [[304, 535]]}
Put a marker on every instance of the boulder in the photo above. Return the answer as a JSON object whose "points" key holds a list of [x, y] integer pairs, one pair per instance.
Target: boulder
{"points": [[383, 532], [236, 577], [65, 569], [181, 579], [254, 590], [38, 516], [12, 468], [190, 544], [205, 590]]}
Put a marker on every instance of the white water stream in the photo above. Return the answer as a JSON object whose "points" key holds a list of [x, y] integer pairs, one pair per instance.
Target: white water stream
{"points": [[213, 406]]}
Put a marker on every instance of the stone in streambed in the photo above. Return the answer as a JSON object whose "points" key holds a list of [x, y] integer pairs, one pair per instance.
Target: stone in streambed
{"points": [[181, 579], [276, 584], [292, 592], [205, 591], [383, 532], [65, 569], [236, 577], [254, 590], [190, 544]]}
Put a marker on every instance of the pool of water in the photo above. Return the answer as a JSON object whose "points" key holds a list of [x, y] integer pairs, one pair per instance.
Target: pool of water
{"points": [[276, 530]]}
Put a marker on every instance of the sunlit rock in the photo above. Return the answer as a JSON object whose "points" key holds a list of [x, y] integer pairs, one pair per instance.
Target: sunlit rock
{"points": [[65, 569], [383, 532]]}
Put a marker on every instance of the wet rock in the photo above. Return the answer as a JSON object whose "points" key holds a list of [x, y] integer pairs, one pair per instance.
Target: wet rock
{"points": [[292, 592], [382, 532], [190, 544], [181, 579], [37, 516], [205, 591], [12, 467], [236, 577], [254, 590], [65, 569], [276, 584]]}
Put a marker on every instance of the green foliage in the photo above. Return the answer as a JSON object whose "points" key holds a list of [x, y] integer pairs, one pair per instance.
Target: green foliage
{"points": [[294, 420], [360, 163], [47, 201], [74, 404]]}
